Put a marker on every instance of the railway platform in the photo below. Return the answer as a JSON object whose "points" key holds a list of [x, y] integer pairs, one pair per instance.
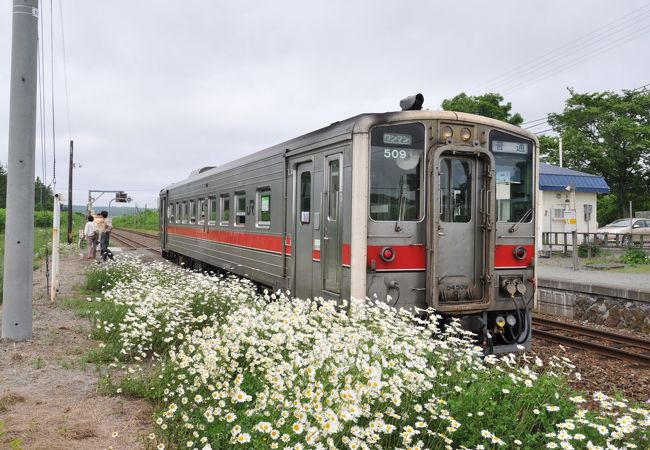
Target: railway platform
{"points": [[556, 270], [603, 297]]}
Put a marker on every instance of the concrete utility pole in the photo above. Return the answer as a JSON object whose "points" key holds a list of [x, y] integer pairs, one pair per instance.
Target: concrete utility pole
{"points": [[19, 231], [70, 196]]}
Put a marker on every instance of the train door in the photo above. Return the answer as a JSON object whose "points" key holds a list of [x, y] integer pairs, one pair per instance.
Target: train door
{"points": [[461, 230], [331, 245], [164, 218], [304, 231]]}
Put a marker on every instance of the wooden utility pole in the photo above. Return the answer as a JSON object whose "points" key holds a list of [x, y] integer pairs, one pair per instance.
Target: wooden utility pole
{"points": [[70, 196], [19, 230]]}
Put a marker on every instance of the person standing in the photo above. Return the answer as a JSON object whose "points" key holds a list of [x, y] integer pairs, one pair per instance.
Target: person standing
{"points": [[90, 231], [104, 226]]}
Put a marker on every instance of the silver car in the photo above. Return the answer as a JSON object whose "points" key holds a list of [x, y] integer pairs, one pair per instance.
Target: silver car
{"points": [[620, 231]]}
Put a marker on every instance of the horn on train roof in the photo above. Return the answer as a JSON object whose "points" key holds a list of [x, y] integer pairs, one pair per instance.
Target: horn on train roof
{"points": [[412, 102]]}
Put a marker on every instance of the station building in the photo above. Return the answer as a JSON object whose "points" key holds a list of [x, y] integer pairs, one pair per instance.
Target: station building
{"points": [[562, 190]]}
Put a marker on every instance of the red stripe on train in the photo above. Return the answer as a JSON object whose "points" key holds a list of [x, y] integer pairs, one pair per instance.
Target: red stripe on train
{"points": [[407, 257], [504, 256], [255, 241]]}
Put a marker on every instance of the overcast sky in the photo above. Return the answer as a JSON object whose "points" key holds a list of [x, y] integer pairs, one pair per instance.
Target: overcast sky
{"points": [[156, 89]]}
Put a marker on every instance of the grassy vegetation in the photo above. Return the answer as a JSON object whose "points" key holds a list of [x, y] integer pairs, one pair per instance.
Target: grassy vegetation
{"points": [[147, 220], [226, 368], [42, 237]]}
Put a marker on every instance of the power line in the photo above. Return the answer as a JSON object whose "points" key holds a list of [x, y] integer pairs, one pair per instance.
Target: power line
{"points": [[65, 69], [555, 70], [623, 24], [535, 120]]}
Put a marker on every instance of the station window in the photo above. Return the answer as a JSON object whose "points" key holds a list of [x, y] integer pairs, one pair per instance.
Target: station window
{"points": [[202, 210], [225, 210], [240, 211], [264, 207], [192, 211], [212, 215]]}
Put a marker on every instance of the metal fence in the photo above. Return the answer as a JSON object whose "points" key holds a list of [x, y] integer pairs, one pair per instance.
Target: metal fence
{"points": [[563, 241]]}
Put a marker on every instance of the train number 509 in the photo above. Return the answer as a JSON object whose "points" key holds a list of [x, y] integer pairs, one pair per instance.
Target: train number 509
{"points": [[394, 153]]}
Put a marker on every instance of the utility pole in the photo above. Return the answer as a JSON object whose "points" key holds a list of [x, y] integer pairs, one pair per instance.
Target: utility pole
{"points": [[19, 231], [70, 196]]}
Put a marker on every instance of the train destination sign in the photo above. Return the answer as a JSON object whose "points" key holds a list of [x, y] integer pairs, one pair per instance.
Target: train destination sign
{"points": [[398, 139], [510, 147]]}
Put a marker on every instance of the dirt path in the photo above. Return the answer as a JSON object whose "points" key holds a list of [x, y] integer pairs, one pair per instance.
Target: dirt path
{"points": [[48, 398]]}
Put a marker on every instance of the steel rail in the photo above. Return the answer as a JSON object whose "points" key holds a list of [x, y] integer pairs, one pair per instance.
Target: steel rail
{"points": [[127, 238], [636, 358], [628, 341]]}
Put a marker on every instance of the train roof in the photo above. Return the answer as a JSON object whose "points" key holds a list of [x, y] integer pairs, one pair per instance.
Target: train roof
{"points": [[357, 124]]}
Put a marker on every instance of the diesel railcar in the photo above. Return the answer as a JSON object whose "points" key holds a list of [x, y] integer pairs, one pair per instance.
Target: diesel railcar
{"points": [[417, 208]]}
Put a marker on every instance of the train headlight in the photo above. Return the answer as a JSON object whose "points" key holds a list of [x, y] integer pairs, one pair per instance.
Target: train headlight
{"points": [[511, 320], [446, 132], [465, 134], [519, 252], [387, 254]]}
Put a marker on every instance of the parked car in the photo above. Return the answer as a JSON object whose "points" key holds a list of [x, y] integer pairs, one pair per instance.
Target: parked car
{"points": [[621, 232]]}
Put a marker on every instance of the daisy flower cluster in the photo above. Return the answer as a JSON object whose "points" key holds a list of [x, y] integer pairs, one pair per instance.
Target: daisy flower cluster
{"points": [[236, 368]]}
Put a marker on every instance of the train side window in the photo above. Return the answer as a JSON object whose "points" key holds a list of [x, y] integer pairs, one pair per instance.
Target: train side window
{"points": [[186, 213], [179, 212], [225, 210], [334, 186], [202, 210], [171, 212], [305, 197], [263, 201], [192, 211], [240, 209], [212, 211]]}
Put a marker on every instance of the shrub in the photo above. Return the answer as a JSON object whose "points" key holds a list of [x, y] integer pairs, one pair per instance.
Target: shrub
{"points": [[635, 256], [587, 246]]}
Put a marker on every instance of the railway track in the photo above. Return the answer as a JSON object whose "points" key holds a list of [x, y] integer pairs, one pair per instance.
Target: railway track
{"points": [[605, 343], [136, 239]]}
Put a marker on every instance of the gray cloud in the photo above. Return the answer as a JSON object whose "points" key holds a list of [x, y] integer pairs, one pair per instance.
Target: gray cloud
{"points": [[157, 89]]}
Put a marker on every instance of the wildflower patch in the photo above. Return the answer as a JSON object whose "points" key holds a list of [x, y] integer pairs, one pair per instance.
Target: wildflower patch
{"points": [[232, 368]]}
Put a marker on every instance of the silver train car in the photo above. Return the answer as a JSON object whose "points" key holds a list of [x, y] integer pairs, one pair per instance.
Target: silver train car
{"points": [[416, 208]]}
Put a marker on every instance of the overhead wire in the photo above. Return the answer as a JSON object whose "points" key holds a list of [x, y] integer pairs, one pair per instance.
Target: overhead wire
{"points": [[65, 71], [520, 75], [53, 182], [555, 70]]}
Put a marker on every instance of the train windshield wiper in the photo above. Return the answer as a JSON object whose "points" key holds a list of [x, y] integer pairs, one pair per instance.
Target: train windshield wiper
{"points": [[515, 227], [402, 204]]}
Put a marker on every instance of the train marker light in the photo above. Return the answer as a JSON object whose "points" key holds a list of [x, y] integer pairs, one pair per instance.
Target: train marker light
{"points": [[387, 254], [519, 252], [465, 134]]}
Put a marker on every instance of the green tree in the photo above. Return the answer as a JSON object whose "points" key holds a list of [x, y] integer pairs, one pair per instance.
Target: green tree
{"points": [[608, 134], [43, 196], [549, 149], [3, 187], [488, 105]]}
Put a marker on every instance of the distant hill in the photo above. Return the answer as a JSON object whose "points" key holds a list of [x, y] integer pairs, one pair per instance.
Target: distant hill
{"points": [[114, 211]]}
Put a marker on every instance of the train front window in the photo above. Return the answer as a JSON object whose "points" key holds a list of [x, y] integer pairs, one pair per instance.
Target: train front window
{"points": [[514, 177], [396, 172], [455, 190]]}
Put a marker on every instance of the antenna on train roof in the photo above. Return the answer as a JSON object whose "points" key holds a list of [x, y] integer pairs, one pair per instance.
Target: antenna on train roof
{"points": [[412, 102]]}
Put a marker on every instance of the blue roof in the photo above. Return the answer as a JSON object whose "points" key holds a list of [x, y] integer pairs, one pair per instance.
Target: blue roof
{"points": [[554, 178]]}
